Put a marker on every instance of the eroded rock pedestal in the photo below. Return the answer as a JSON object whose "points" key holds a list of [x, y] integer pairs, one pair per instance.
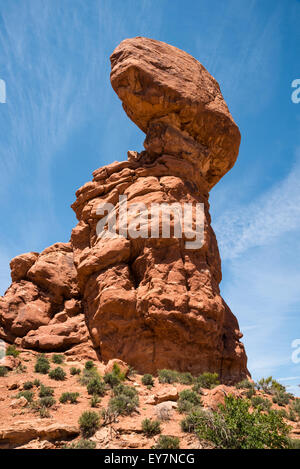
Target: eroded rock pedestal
{"points": [[151, 302]]}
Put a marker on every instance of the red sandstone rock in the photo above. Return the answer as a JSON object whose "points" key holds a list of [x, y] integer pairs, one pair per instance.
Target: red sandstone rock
{"points": [[150, 302]]}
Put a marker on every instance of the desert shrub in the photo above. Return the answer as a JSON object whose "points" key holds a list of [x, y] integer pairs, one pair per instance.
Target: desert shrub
{"points": [[234, 427], [89, 422], [47, 401], [197, 388], [281, 398], [249, 393], [37, 383], [95, 400], [294, 444], [261, 403], [111, 379], [58, 359], [74, 371], [270, 385], [167, 376], [42, 364], [11, 350], [167, 442], [276, 386], [187, 400], [150, 427], [208, 380], [45, 391], [245, 384], [295, 406], [69, 397], [125, 400], [81, 444], [58, 374], [96, 386], [27, 394], [3, 371], [28, 385], [291, 415], [88, 375], [189, 423], [109, 416], [44, 412], [147, 380], [185, 378], [89, 365], [115, 377]]}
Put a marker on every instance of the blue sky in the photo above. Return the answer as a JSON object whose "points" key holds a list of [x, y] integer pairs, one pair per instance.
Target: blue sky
{"points": [[62, 120]]}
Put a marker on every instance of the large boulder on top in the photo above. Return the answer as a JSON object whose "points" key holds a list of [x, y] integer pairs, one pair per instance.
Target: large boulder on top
{"points": [[177, 103]]}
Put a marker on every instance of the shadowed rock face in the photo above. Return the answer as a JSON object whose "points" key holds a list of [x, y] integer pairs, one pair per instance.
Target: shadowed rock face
{"points": [[151, 302]]}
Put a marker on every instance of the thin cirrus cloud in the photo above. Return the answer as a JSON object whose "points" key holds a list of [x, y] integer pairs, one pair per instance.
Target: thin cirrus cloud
{"points": [[271, 215]]}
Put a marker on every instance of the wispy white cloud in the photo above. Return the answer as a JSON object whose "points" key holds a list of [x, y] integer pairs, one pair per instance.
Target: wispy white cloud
{"points": [[271, 215]]}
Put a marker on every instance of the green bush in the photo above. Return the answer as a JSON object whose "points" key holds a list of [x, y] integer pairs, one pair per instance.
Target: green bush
{"points": [[58, 374], [115, 377], [89, 422], [261, 403], [208, 380], [45, 391], [197, 388], [245, 384], [81, 444], [189, 423], [188, 400], [44, 412], [295, 406], [28, 385], [74, 371], [58, 359], [88, 375], [96, 386], [185, 378], [111, 379], [234, 427], [150, 427], [294, 444], [89, 365], [69, 397], [281, 398], [37, 383], [95, 400], [3, 371], [27, 394], [47, 401], [167, 442], [42, 365], [147, 380], [167, 376], [125, 400], [11, 350]]}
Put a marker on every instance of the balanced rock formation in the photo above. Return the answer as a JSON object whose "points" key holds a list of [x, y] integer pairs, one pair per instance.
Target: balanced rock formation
{"points": [[141, 296]]}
